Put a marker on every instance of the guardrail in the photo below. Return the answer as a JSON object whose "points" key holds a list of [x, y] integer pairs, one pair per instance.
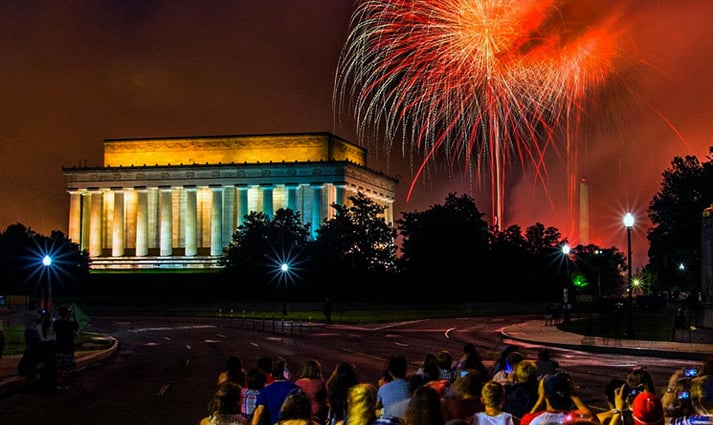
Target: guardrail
{"points": [[273, 325]]}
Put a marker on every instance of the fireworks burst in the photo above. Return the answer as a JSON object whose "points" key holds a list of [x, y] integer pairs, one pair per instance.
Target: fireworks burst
{"points": [[486, 83]]}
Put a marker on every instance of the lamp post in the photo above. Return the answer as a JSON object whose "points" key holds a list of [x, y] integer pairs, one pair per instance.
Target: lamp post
{"points": [[566, 249], [629, 223], [284, 268], [46, 286]]}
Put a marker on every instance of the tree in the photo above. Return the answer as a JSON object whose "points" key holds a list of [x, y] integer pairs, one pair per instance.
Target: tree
{"points": [[355, 245], [676, 213], [438, 243], [260, 246], [22, 271]]}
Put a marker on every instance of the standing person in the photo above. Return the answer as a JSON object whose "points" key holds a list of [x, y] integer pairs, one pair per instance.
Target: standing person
{"points": [[327, 310], [493, 397], [31, 356], [224, 408], [271, 397], [389, 394], [311, 381], [48, 354], [342, 378], [65, 329]]}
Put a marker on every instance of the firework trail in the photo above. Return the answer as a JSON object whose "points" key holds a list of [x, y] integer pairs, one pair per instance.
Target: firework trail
{"points": [[481, 84]]}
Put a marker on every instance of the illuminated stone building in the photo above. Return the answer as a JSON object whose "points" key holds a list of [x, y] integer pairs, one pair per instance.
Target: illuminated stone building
{"points": [[171, 203]]}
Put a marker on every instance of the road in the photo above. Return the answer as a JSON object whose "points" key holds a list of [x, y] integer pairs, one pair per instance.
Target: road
{"points": [[165, 369]]}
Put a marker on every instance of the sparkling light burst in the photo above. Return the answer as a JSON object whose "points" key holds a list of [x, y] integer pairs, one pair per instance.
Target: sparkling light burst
{"points": [[484, 82]]}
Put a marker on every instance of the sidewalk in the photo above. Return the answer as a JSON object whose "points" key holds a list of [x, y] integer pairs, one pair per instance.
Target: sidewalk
{"points": [[86, 356], [536, 332]]}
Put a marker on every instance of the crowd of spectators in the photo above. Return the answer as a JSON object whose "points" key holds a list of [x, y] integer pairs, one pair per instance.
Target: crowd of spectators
{"points": [[447, 390]]}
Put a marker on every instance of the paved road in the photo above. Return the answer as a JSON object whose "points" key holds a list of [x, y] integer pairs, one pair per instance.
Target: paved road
{"points": [[165, 369]]}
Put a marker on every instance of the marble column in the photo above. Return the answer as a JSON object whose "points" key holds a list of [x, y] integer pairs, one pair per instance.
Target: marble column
{"points": [[165, 202], [191, 221], [117, 231], [228, 214], [216, 221], [316, 207], [292, 196], [142, 222], [95, 227], [242, 203], [75, 215], [267, 200]]}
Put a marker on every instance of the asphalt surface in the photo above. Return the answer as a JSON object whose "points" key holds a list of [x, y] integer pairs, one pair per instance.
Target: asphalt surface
{"points": [[533, 331]]}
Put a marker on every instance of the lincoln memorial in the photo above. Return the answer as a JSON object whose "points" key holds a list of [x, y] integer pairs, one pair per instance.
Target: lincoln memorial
{"points": [[174, 203]]}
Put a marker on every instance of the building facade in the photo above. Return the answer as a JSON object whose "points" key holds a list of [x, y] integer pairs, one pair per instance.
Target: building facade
{"points": [[173, 203]]}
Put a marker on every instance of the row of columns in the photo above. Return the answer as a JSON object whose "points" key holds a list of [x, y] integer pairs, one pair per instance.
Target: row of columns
{"points": [[90, 208]]}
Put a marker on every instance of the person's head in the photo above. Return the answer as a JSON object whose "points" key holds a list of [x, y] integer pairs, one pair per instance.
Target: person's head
{"points": [[255, 378], [233, 363], [296, 406], [469, 349], [646, 409], [226, 400], [344, 372], [544, 354], [612, 385], [512, 360], [63, 312], [311, 369], [430, 368], [424, 407], [558, 391], [641, 380], [445, 359], [265, 363], [361, 403], [467, 385], [278, 368], [493, 394], [526, 372], [702, 394], [505, 352], [398, 366]]}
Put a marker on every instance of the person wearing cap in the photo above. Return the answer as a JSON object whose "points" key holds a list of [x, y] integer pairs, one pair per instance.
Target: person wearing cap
{"points": [[646, 409], [557, 403], [701, 394]]}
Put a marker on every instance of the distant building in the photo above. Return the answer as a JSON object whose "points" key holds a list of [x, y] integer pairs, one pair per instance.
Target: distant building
{"points": [[174, 203]]}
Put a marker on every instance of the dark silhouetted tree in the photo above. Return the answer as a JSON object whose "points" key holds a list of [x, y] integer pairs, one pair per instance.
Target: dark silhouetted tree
{"points": [[676, 213]]}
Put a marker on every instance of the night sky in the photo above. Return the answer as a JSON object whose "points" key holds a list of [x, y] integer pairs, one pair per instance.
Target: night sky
{"points": [[73, 73]]}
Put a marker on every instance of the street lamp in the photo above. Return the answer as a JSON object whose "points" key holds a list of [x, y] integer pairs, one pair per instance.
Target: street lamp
{"points": [[47, 288], [566, 249], [284, 268], [629, 223]]}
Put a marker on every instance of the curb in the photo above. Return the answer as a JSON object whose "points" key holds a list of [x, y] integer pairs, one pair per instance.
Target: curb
{"points": [[84, 360], [589, 344]]}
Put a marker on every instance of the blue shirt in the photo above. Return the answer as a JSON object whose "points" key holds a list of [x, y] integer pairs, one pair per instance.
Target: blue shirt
{"points": [[390, 394]]}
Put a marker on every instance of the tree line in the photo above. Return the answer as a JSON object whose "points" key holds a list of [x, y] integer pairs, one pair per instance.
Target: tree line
{"points": [[445, 252]]}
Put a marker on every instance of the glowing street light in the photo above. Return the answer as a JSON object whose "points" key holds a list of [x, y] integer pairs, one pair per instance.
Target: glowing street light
{"points": [[629, 223], [47, 289]]}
